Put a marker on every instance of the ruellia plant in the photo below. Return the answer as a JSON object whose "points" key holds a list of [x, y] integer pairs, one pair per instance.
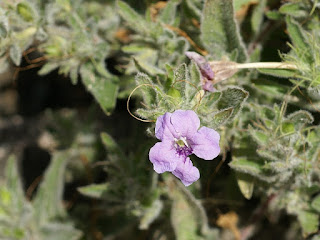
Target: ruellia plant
{"points": [[201, 120]]}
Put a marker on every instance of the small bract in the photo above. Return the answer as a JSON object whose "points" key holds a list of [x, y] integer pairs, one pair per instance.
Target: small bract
{"points": [[180, 137]]}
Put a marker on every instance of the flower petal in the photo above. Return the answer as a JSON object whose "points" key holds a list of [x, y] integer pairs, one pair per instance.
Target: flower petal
{"points": [[205, 143], [185, 123], [164, 157], [164, 128], [186, 172]]}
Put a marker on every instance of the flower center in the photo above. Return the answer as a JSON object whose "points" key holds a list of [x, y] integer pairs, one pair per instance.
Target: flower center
{"points": [[182, 147]]}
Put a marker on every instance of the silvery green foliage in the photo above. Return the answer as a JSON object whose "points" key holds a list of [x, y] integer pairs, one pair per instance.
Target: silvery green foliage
{"points": [[22, 219], [155, 42], [273, 135], [280, 153], [130, 188], [73, 37], [181, 89]]}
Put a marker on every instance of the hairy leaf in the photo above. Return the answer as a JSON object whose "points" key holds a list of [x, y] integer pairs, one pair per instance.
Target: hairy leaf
{"points": [[94, 190], [219, 31], [102, 85], [48, 200]]}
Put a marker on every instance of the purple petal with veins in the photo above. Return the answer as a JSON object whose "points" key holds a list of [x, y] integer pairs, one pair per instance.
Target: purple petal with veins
{"points": [[180, 137]]}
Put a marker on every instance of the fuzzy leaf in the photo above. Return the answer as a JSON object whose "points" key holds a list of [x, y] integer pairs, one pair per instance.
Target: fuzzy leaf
{"points": [[246, 166], [299, 41], [135, 21], [145, 62], [4, 26], [221, 117], [195, 80], [94, 190], [292, 9], [281, 73], [168, 13], [300, 118], [219, 31], [74, 72], [309, 222], [47, 68], [316, 203], [246, 184], [61, 231], [148, 92], [232, 97], [48, 200], [287, 127], [102, 85], [180, 78], [257, 16], [273, 15], [187, 215], [260, 137], [112, 147], [26, 11], [150, 214], [13, 183], [15, 54]]}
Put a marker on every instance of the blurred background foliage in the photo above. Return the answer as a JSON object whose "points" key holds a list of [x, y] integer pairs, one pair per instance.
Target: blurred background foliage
{"points": [[73, 162]]}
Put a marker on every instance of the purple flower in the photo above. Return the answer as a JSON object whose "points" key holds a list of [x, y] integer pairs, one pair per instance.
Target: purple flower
{"points": [[205, 69], [180, 137]]}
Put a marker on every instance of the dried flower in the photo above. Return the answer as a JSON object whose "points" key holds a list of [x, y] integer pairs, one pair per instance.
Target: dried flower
{"points": [[180, 137], [205, 69]]}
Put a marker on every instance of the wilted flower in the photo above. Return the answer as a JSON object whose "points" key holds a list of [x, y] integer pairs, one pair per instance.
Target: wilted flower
{"points": [[205, 69], [180, 137]]}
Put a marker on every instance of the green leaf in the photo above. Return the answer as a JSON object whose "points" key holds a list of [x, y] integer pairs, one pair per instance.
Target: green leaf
{"points": [[221, 117], [299, 41], [61, 231], [4, 26], [94, 190], [273, 15], [287, 127], [219, 31], [232, 97], [300, 118], [74, 72], [244, 165], [146, 62], [102, 85], [181, 78], [259, 136], [257, 16], [309, 222], [26, 11], [316, 203], [41, 35], [15, 54], [168, 13], [293, 9], [13, 183], [112, 147], [281, 73], [148, 92], [187, 215], [195, 80], [48, 201], [150, 214], [246, 184], [135, 21], [47, 68]]}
